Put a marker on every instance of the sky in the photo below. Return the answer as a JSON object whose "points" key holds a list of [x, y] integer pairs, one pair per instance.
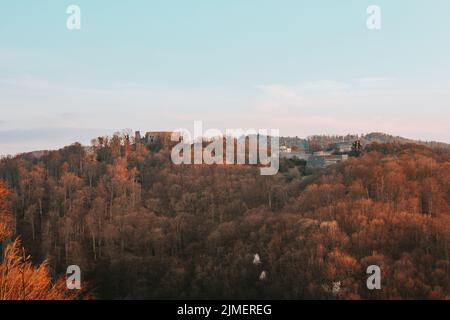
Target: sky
{"points": [[301, 66]]}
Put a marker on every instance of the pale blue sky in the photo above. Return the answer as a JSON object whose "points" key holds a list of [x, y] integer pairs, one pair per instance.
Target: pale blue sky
{"points": [[302, 66]]}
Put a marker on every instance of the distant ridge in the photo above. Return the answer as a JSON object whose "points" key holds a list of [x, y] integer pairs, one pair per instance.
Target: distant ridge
{"points": [[377, 137], [322, 140]]}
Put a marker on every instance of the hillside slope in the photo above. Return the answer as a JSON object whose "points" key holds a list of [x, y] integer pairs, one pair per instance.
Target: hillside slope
{"points": [[141, 227]]}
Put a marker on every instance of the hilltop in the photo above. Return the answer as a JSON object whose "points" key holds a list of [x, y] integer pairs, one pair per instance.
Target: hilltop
{"points": [[310, 144]]}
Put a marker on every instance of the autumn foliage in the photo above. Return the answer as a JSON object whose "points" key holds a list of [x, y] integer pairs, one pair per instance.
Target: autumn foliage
{"points": [[5, 215], [141, 227], [19, 278]]}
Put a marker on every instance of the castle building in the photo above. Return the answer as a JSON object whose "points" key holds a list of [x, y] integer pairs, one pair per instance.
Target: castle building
{"points": [[163, 138], [137, 137]]}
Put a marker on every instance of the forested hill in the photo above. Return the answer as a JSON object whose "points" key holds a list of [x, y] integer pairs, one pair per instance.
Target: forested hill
{"points": [[141, 227], [309, 144]]}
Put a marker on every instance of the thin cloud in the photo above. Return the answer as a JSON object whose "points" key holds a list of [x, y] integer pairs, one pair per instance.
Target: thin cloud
{"points": [[332, 107]]}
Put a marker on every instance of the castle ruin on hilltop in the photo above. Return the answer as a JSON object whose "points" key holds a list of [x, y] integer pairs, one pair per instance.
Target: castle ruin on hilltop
{"points": [[163, 138]]}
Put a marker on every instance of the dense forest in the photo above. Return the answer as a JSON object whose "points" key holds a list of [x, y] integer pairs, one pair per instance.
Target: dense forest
{"points": [[321, 142], [20, 279], [141, 227]]}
